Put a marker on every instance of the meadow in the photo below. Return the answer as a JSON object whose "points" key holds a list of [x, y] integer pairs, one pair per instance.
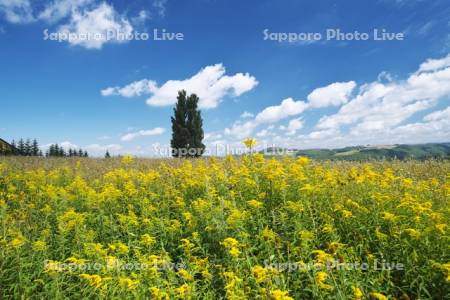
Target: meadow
{"points": [[223, 228]]}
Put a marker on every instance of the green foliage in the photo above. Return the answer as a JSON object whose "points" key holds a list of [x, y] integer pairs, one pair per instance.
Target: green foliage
{"points": [[187, 127]]}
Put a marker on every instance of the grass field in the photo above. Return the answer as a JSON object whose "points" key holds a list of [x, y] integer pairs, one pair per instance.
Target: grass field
{"points": [[231, 228]]}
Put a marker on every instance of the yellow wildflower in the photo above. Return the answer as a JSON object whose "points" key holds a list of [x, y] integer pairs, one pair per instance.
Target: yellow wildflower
{"points": [[93, 280], [255, 203], [357, 293], [249, 142], [185, 275], [183, 290], [441, 228], [39, 245], [280, 295], [147, 240], [320, 279], [128, 283], [157, 294], [377, 296]]}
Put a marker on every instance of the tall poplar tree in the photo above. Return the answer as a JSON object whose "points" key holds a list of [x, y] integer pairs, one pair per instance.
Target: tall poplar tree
{"points": [[187, 131], [195, 127], [179, 142]]}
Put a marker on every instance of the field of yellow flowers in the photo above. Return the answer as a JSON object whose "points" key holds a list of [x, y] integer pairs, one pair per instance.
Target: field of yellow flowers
{"points": [[229, 228]]}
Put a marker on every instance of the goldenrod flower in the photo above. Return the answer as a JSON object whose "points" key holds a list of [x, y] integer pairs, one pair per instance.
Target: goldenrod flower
{"points": [[254, 203], [183, 290], [39, 245], [249, 142], [128, 283], [157, 294], [377, 296], [94, 280], [147, 240], [280, 295], [185, 275], [320, 279], [357, 293]]}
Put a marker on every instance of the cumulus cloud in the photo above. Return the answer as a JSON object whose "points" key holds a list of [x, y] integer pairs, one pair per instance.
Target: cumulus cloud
{"points": [[377, 113], [150, 132], [89, 21], [435, 64], [438, 115], [65, 144], [246, 115], [160, 6], [59, 9], [134, 89], [210, 84], [434, 128], [212, 136], [294, 125], [17, 11], [97, 22], [334, 94], [272, 114], [68, 145], [288, 107], [241, 130], [99, 150], [381, 106]]}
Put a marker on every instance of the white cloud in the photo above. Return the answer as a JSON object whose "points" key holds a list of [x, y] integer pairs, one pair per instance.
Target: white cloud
{"points": [[150, 132], [134, 89], [86, 22], [210, 84], [160, 6], [334, 94], [241, 130], [212, 136], [17, 11], [96, 22], [438, 115], [59, 9], [68, 145], [263, 133], [97, 148], [246, 115], [287, 108], [322, 134], [377, 113], [141, 17], [294, 125], [272, 114], [434, 64], [435, 128], [381, 106]]}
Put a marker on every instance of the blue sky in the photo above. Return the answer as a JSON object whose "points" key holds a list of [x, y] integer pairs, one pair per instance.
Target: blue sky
{"points": [[118, 95]]}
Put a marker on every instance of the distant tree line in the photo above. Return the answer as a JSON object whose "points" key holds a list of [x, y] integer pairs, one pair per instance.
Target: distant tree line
{"points": [[30, 147], [56, 150], [22, 147], [27, 147]]}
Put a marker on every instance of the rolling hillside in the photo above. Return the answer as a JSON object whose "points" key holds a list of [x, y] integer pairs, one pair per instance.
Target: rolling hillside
{"points": [[420, 151]]}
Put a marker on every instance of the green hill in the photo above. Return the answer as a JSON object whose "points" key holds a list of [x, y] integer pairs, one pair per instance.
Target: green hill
{"points": [[421, 151]]}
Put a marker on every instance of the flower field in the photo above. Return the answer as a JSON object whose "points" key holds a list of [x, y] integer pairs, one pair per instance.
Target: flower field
{"points": [[231, 228]]}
